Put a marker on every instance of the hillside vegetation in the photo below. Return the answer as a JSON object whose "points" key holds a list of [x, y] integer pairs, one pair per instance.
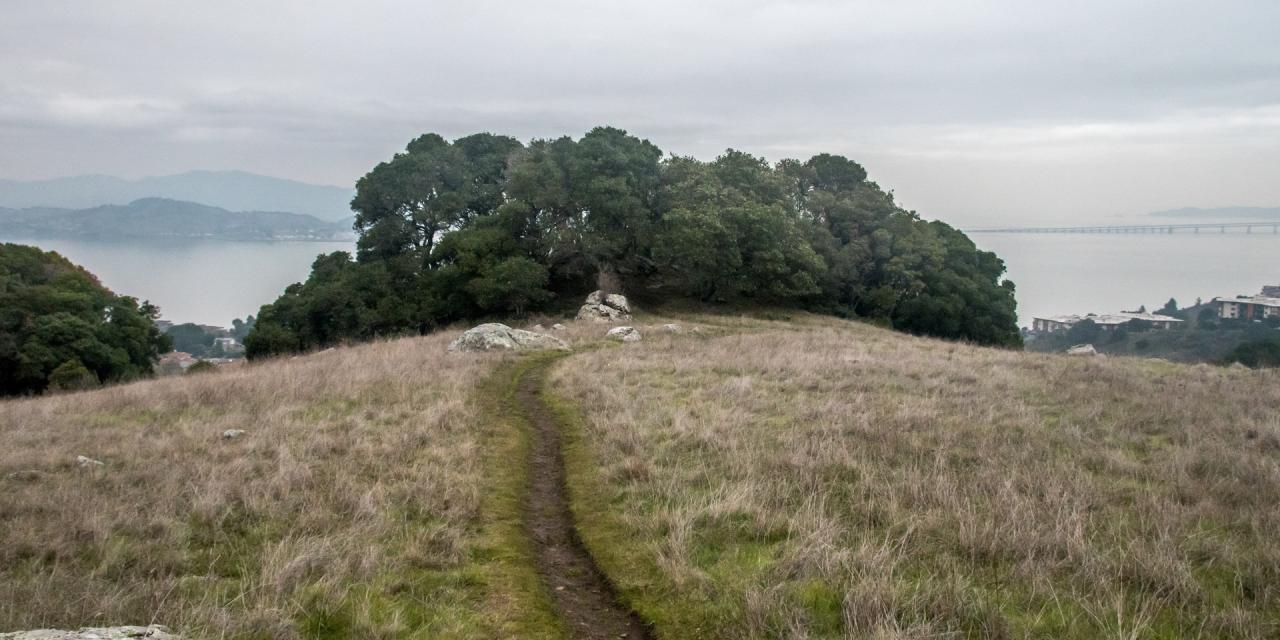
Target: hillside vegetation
{"points": [[745, 478], [60, 328], [358, 502], [829, 479], [485, 225]]}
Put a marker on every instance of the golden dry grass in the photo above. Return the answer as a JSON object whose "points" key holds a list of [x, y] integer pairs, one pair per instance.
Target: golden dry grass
{"points": [[830, 479], [350, 508]]}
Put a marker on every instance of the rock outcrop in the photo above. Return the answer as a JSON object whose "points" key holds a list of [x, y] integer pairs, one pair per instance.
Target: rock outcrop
{"points": [[487, 337], [602, 307], [625, 334], [154, 632]]}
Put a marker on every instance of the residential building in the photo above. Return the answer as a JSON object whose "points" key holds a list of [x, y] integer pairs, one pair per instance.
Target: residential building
{"points": [[1259, 307], [174, 362], [1107, 321], [228, 345]]}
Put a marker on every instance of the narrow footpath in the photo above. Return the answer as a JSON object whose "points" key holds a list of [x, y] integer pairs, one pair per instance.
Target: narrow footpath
{"points": [[583, 598]]}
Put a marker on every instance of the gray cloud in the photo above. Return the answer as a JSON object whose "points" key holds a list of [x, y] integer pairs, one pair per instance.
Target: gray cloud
{"points": [[971, 111]]}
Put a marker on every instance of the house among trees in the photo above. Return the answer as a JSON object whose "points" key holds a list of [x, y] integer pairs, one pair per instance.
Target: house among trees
{"points": [[1259, 307], [228, 345], [1106, 321], [174, 362]]}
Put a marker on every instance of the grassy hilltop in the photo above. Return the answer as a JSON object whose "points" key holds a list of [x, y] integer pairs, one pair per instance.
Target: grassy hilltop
{"points": [[793, 477]]}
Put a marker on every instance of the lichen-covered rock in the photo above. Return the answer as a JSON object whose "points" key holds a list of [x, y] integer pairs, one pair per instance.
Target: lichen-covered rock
{"points": [[617, 301], [600, 307], [154, 632], [493, 335], [625, 334]]}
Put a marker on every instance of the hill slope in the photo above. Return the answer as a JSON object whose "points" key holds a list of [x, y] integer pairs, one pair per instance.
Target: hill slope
{"points": [[836, 480], [161, 218], [356, 494], [746, 478], [233, 190]]}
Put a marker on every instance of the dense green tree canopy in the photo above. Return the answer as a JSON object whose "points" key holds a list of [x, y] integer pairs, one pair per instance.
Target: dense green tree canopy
{"points": [[60, 327], [484, 225], [1264, 353]]}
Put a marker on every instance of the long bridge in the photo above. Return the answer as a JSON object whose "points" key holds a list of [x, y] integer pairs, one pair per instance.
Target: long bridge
{"points": [[1195, 227]]}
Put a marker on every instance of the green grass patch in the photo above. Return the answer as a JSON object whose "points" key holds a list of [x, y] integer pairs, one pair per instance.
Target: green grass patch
{"points": [[517, 597]]}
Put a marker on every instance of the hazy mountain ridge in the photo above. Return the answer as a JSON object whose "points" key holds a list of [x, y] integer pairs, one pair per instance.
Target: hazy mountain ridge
{"points": [[230, 190], [165, 218], [1235, 213]]}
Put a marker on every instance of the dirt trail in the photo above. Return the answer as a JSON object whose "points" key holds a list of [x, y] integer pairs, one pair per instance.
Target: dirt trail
{"points": [[583, 598]]}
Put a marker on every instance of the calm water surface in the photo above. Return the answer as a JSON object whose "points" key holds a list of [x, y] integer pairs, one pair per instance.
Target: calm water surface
{"points": [[209, 282], [1070, 273]]}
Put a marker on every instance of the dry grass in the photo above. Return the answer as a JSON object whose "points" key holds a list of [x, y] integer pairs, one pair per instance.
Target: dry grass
{"points": [[349, 509], [753, 479], [844, 481]]}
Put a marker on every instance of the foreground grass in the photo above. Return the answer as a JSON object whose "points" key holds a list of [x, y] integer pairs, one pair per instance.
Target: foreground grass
{"points": [[365, 500], [842, 481]]}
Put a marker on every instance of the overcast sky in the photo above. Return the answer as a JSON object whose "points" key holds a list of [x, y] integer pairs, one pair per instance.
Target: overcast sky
{"points": [[972, 112]]}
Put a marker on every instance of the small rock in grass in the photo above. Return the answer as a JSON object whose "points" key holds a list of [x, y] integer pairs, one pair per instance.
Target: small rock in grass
{"points": [[87, 462], [232, 434], [557, 327], [491, 336], [672, 328], [625, 334]]}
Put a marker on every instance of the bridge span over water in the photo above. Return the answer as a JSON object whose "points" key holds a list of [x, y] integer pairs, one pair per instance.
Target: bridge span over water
{"points": [[1193, 227]]}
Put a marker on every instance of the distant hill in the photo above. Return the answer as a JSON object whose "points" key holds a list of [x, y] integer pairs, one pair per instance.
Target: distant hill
{"points": [[164, 218], [231, 190], [1242, 214]]}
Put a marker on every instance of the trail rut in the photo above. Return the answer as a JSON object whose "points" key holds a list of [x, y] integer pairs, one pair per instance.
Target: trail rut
{"points": [[582, 596]]}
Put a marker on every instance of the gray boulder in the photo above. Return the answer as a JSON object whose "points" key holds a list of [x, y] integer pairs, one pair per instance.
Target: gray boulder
{"points": [[672, 328], [490, 336], [154, 632], [624, 334], [617, 301], [600, 307], [1082, 350]]}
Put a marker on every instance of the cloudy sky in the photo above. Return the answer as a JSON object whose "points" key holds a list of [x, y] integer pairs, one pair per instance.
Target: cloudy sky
{"points": [[972, 112]]}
